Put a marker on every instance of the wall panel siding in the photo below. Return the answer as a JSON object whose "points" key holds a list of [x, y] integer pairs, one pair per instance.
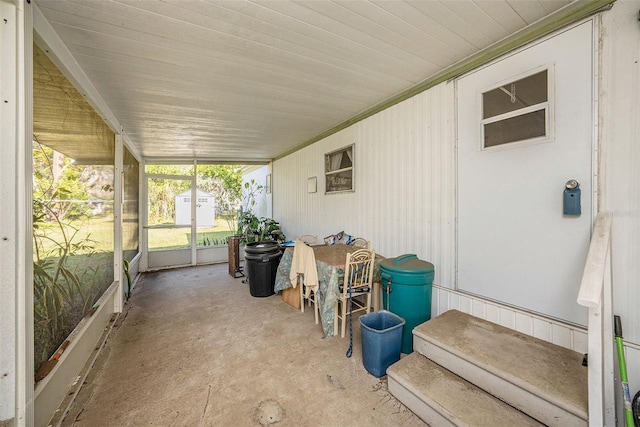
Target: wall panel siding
{"points": [[404, 183], [620, 157], [405, 189], [619, 174]]}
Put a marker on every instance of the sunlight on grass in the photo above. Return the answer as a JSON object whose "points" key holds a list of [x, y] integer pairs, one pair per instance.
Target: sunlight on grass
{"points": [[179, 238], [100, 230]]}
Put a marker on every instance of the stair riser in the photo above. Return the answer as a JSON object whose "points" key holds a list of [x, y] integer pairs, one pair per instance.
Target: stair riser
{"points": [[510, 393]]}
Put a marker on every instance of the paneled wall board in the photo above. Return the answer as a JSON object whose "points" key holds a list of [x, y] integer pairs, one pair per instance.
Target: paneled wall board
{"points": [[620, 157], [404, 183]]}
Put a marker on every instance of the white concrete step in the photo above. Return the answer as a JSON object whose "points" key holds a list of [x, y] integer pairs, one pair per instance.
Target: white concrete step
{"points": [[441, 398], [543, 380]]}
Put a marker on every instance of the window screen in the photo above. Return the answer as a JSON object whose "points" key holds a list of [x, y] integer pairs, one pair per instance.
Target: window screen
{"points": [[516, 111]]}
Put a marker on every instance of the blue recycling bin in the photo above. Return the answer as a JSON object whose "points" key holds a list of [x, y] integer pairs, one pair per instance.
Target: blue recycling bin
{"points": [[381, 341], [406, 291]]}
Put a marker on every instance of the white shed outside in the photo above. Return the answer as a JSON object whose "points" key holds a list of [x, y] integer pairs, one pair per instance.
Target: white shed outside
{"points": [[205, 209]]}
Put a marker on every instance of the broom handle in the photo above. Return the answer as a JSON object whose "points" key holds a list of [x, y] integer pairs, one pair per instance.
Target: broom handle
{"points": [[628, 413]]}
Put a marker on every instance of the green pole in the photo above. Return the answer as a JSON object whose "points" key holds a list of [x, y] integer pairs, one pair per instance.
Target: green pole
{"points": [[628, 413]]}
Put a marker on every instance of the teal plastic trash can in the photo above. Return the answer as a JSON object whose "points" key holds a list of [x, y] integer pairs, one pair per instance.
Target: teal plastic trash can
{"points": [[381, 341], [406, 291]]}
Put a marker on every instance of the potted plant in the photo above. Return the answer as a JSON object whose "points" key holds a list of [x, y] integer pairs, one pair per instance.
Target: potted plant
{"points": [[254, 229]]}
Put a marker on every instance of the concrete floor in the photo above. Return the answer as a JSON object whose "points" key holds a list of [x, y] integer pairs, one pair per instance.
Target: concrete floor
{"points": [[193, 348]]}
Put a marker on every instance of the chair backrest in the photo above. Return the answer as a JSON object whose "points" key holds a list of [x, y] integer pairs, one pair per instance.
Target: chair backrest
{"points": [[360, 242], [359, 270]]}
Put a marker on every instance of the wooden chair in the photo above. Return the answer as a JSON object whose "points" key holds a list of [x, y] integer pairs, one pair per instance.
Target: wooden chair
{"points": [[360, 242], [358, 275], [303, 260], [311, 299]]}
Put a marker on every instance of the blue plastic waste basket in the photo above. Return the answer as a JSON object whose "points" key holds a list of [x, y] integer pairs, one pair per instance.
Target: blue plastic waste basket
{"points": [[381, 341]]}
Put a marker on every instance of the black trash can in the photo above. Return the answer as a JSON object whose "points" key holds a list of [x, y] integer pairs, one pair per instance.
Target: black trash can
{"points": [[262, 259]]}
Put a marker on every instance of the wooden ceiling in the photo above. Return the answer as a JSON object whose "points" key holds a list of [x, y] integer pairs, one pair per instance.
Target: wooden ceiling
{"points": [[251, 80]]}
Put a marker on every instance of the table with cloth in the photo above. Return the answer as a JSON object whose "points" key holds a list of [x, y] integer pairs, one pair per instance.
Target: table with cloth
{"points": [[330, 260]]}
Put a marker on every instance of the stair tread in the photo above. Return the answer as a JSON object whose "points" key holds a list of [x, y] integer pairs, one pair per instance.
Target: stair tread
{"points": [[542, 368], [454, 398]]}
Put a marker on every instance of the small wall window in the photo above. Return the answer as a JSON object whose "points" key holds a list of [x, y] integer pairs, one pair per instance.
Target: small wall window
{"points": [[338, 170], [517, 111]]}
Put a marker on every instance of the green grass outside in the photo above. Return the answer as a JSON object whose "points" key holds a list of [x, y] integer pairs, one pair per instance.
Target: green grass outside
{"points": [[177, 238], [100, 230]]}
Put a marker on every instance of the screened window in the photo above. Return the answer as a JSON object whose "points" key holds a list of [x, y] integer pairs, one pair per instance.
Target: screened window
{"points": [[338, 167], [130, 206], [517, 111], [73, 162]]}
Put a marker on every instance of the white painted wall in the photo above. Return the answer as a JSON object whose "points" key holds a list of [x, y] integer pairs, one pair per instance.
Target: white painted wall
{"points": [[404, 200], [620, 166], [405, 187], [263, 206]]}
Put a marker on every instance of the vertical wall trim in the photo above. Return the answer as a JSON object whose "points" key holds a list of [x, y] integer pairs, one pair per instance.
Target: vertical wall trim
{"points": [[8, 189], [16, 263], [595, 119], [194, 214], [24, 264], [118, 175], [143, 214]]}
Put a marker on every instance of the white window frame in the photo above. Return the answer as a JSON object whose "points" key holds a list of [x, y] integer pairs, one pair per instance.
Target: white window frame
{"points": [[333, 172], [547, 106]]}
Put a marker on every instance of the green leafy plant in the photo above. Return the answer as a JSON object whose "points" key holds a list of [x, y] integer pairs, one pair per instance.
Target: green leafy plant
{"points": [[250, 226], [62, 279], [254, 229], [70, 271], [129, 281]]}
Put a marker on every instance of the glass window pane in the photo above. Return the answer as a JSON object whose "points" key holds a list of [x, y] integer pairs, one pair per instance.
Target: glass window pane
{"points": [[519, 128], [339, 160], [513, 96], [341, 181]]}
